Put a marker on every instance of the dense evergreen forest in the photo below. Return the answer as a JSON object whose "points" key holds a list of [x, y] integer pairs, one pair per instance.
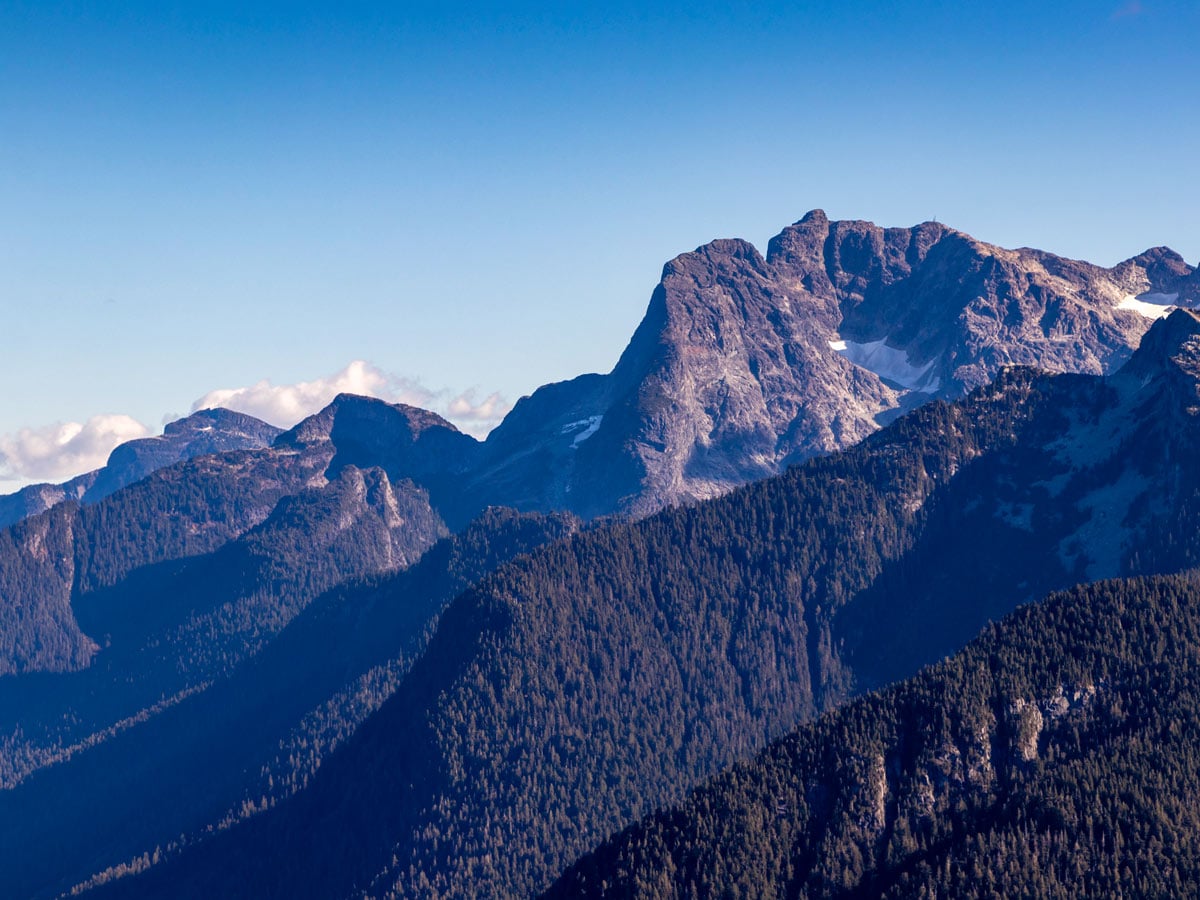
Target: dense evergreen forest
{"points": [[258, 733], [50, 562], [275, 673], [588, 684], [1057, 756], [172, 627]]}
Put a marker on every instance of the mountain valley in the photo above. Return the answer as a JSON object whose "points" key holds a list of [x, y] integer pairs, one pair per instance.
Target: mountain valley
{"points": [[373, 655]]}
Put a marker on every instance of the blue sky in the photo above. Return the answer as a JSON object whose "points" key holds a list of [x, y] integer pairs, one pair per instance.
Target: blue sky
{"points": [[478, 198]]}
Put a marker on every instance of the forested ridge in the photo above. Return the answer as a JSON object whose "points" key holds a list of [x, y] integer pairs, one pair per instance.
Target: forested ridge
{"points": [[1057, 756], [175, 625], [50, 562], [582, 687], [243, 740], [258, 719]]}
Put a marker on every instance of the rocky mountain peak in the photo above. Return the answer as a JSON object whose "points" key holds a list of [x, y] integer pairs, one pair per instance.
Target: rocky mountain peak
{"points": [[1171, 344], [707, 263], [405, 441], [1161, 271], [745, 363], [219, 419], [206, 431], [353, 414], [203, 432], [842, 260]]}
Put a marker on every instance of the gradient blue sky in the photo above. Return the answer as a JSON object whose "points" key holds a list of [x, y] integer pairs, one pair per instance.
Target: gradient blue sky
{"points": [[481, 196]]}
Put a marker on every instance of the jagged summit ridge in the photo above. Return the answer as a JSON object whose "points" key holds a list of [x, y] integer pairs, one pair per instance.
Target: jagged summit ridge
{"points": [[1167, 338], [1171, 351], [744, 364], [203, 432], [747, 363], [733, 615]]}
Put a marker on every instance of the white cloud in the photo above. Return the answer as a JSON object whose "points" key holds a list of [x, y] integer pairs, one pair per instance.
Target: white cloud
{"points": [[286, 404], [491, 407], [477, 418], [64, 449]]}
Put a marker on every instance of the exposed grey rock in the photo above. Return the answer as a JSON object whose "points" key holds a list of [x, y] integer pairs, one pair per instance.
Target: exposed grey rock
{"points": [[201, 433], [745, 364], [37, 498], [405, 440]]}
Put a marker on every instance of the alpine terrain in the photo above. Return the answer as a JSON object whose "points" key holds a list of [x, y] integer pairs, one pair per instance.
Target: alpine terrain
{"points": [[716, 623]]}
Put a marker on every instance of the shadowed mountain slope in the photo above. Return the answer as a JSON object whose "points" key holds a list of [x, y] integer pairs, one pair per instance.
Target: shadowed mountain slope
{"points": [[582, 687], [1056, 756], [248, 731]]}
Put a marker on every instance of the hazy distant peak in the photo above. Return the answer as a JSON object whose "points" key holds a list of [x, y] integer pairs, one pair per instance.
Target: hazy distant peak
{"points": [[218, 418], [354, 412]]}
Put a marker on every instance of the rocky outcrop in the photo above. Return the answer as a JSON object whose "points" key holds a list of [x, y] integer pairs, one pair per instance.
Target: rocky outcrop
{"points": [[201, 433], [37, 628], [38, 498], [404, 441], [407, 441], [745, 364]]}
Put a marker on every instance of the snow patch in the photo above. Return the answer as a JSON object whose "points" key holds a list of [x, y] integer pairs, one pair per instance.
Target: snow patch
{"points": [[1152, 306], [889, 363], [589, 427]]}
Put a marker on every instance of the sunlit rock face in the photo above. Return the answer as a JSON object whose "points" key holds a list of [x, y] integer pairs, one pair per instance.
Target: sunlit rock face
{"points": [[742, 365], [745, 364]]}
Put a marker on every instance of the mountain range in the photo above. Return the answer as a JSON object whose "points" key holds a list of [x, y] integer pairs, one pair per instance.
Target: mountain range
{"points": [[372, 654], [743, 365], [207, 431], [597, 679]]}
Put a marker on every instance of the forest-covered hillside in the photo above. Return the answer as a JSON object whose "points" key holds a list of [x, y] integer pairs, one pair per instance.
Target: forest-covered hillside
{"points": [[1057, 756], [586, 685], [237, 740]]}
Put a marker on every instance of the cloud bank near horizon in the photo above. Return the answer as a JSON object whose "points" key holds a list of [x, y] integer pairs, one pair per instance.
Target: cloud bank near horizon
{"points": [[286, 404], [62, 450]]}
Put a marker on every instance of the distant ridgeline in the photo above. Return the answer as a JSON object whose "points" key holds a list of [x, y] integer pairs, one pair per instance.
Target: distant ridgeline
{"points": [[204, 432], [576, 690], [328, 662], [744, 364]]}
